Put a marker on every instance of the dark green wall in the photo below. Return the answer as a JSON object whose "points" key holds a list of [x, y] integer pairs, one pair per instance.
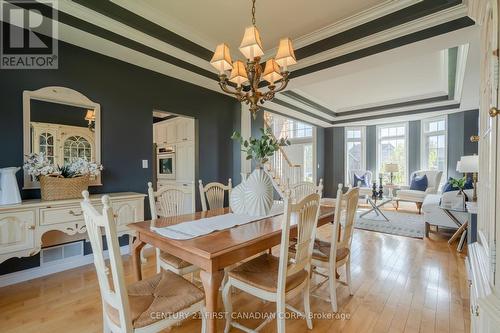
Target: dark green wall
{"points": [[461, 126]]}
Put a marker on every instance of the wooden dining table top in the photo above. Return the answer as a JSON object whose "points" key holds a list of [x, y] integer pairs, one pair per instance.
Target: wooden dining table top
{"points": [[220, 242]]}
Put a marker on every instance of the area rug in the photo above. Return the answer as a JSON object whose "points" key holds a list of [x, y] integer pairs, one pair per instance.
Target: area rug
{"points": [[401, 224]]}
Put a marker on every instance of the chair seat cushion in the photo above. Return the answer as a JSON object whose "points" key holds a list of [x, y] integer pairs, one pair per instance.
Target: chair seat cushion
{"points": [[321, 251], [165, 293], [262, 272], [411, 195], [173, 261]]}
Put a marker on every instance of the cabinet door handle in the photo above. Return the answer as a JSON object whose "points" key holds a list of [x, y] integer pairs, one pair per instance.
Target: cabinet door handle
{"points": [[75, 214], [31, 227], [494, 112]]}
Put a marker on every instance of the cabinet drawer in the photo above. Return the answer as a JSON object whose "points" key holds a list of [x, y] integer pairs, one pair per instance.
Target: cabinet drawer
{"points": [[58, 215]]}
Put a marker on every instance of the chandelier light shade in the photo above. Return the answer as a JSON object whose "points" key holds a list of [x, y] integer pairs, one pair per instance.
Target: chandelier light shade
{"points": [[238, 73], [221, 59], [272, 71], [285, 56], [251, 45], [248, 76]]}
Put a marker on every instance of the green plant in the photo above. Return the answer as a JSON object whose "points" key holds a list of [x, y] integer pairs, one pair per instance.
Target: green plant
{"points": [[458, 182], [66, 172], [260, 149]]}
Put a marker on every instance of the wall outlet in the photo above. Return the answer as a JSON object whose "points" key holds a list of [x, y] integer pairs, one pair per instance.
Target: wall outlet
{"points": [[144, 164]]}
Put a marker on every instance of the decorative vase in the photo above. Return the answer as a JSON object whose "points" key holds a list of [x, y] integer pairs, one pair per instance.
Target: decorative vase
{"points": [[237, 199], [9, 191], [258, 193]]}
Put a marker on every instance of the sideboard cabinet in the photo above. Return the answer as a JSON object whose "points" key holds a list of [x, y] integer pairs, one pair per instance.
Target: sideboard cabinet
{"points": [[22, 225]]}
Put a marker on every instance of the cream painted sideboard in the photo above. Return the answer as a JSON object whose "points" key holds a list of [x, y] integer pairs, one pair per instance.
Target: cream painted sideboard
{"points": [[22, 225]]}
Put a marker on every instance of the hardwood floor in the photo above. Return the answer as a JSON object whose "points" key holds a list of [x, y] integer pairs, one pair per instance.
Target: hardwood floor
{"points": [[401, 285]]}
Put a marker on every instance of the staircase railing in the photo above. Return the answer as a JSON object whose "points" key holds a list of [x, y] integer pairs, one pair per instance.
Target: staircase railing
{"points": [[283, 172]]}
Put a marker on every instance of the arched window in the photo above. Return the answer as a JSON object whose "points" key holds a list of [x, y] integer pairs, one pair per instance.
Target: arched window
{"points": [[46, 144], [75, 147]]}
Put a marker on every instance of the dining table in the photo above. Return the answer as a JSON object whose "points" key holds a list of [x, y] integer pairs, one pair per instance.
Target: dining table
{"points": [[215, 251]]}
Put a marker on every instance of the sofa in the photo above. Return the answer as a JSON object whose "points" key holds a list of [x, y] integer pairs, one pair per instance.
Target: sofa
{"points": [[435, 216], [405, 194]]}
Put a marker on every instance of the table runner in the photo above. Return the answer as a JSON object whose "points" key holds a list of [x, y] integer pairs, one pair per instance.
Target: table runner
{"points": [[205, 226]]}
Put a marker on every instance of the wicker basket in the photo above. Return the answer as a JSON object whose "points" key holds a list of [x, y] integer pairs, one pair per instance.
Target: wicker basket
{"points": [[59, 188]]}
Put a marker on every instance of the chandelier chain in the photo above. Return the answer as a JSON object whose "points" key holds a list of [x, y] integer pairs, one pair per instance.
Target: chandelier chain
{"points": [[253, 12]]}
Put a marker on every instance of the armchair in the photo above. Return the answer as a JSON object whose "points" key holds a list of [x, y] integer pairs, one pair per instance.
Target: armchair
{"points": [[405, 194]]}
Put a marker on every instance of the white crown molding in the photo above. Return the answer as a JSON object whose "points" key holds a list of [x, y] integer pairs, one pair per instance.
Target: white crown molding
{"points": [[119, 28], [386, 35], [169, 22], [304, 107], [296, 114]]}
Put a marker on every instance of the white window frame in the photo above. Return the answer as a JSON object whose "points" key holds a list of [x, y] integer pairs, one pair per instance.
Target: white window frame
{"points": [[363, 149], [405, 137], [424, 151]]}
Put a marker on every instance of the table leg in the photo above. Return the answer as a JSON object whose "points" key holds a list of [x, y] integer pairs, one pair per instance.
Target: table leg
{"points": [[136, 258], [211, 284], [460, 246], [458, 233]]}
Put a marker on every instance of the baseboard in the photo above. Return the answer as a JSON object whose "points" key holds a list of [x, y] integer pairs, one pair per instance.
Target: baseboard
{"points": [[37, 272]]}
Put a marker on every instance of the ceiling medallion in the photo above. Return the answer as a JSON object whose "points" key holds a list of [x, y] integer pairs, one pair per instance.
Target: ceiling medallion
{"points": [[248, 77]]}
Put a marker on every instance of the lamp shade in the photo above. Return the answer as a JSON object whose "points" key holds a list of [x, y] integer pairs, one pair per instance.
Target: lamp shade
{"points": [[221, 59], [90, 115], [239, 73], [272, 71], [285, 56], [469, 164], [391, 167], [251, 45]]}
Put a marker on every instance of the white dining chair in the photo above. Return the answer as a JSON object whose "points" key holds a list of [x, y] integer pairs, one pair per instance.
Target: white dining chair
{"points": [[301, 190], [212, 195], [164, 203], [336, 253], [147, 306], [276, 279]]}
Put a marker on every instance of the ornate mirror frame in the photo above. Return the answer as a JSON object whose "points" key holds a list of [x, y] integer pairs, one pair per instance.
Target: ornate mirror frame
{"points": [[59, 95]]}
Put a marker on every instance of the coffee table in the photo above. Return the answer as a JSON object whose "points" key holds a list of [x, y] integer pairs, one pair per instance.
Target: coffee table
{"points": [[376, 204]]}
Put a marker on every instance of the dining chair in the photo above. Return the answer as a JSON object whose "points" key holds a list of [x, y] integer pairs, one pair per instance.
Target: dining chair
{"points": [[337, 252], [212, 195], [276, 279], [164, 203], [301, 190], [146, 306]]}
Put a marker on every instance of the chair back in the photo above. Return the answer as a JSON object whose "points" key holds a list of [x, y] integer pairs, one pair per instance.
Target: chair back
{"points": [[114, 296], [165, 202], [212, 194], [433, 177], [346, 213], [301, 190], [305, 215], [359, 173]]}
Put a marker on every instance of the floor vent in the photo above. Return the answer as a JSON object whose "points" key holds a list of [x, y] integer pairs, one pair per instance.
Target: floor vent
{"points": [[56, 254]]}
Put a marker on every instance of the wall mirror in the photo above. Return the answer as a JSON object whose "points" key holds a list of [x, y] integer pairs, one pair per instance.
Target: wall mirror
{"points": [[64, 125]]}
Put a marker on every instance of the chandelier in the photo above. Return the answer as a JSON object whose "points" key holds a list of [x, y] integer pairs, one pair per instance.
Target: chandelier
{"points": [[247, 78]]}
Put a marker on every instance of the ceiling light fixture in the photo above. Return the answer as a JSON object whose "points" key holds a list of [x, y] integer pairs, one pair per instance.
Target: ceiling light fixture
{"points": [[250, 74]]}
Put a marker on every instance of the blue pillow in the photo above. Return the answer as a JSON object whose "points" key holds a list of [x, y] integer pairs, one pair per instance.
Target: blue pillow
{"points": [[419, 183], [361, 179]]}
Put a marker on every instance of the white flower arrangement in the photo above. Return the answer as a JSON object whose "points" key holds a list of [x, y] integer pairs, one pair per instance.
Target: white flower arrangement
{"points": [[38, 165]]}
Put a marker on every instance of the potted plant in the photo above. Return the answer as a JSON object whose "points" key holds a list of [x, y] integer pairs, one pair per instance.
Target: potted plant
{"points": [[58, 183], [254, 196], [459, 183]]}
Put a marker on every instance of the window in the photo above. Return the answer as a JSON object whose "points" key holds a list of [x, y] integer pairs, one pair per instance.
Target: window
{"points": [[434, 145], [355, 150], [302, 143], [392, 148]]}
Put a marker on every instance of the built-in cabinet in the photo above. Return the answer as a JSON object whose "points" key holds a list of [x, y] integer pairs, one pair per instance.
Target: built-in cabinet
{"points": [[178, 134], [22, 225]]}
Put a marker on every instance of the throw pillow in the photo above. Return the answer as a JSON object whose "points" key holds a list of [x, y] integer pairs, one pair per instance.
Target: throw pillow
{"points": [[419, 183], [361, 179]]}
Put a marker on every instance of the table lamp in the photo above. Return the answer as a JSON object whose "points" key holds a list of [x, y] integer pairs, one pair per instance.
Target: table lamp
{"points": [[391, 168], [470, 164]]}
